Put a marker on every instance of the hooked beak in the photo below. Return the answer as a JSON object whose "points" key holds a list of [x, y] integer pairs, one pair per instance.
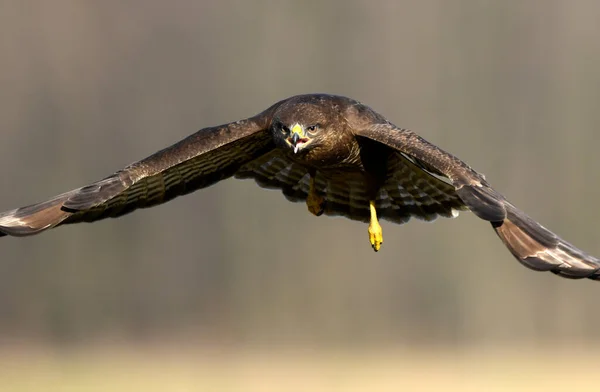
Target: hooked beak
{"points": [[294, 140], [297, 138]]}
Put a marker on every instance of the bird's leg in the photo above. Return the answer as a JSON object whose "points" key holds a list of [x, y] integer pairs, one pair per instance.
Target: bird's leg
{"points": [[375, 232], [314, 201]]}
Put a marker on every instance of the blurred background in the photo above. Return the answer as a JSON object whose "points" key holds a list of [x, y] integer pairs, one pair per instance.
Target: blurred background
{"points": [[214, 291]]}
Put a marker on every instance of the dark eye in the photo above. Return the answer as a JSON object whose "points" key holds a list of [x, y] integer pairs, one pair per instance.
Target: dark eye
{"points": [[312, 127]]}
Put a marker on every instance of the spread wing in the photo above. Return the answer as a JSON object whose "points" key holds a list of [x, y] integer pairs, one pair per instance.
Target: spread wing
{"points": [[275, 171], [532, 244], [200, 160], [408, 191]]}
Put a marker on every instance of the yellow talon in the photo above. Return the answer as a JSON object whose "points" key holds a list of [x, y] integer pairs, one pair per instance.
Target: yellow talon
{"points": [[314, 201], [375, 232]]}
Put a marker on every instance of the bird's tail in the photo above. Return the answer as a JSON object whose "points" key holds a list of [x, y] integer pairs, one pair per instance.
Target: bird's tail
{"points": [[539, 249]]}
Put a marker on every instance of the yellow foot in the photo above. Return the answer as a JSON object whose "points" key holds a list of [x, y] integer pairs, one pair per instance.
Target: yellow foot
{"points": [[314, 202], [375, 235], [375, 232]]}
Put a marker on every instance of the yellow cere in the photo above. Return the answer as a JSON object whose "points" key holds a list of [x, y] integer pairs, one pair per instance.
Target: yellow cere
{"points": [[298, 129]]}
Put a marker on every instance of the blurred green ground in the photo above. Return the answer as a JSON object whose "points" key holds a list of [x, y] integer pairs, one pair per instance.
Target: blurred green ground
{"points": [[187, 369]]}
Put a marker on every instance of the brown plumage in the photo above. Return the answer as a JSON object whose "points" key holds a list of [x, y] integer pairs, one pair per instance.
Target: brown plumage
{"points": [[335, 153]]}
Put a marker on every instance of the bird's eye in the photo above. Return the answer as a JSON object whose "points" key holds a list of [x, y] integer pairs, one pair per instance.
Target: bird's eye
{"points": [[312, 128]]}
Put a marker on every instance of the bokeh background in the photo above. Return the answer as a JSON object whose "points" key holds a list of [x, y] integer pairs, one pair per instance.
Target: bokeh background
{"points": [[233, 287]]}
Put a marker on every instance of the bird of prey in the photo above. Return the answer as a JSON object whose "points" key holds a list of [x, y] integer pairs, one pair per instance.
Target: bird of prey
{"points": [[332, 152]]}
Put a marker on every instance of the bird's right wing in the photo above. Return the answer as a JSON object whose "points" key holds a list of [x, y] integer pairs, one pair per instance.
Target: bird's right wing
{"points": [[200, 160], [531, 243]]}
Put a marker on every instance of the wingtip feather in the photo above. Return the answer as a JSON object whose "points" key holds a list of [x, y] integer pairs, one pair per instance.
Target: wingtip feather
{"points": [[539, 249], [34, 218]]}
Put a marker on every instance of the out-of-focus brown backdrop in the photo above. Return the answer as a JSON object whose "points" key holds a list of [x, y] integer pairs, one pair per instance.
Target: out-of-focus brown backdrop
{"points": [[87, 87]]}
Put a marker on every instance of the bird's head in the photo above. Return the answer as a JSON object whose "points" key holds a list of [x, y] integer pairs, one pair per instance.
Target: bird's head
{"points": [[301, 124], [298, 137]]}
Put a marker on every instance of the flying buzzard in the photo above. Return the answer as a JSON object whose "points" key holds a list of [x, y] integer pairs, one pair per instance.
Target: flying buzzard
{"points": [[334, 153]]}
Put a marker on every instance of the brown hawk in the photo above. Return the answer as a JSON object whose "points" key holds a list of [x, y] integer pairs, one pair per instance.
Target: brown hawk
{"points": [[334, 153]]}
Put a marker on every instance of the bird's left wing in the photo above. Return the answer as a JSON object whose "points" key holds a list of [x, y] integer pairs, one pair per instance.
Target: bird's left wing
{"points": [[200, 160], [532, 244]]}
